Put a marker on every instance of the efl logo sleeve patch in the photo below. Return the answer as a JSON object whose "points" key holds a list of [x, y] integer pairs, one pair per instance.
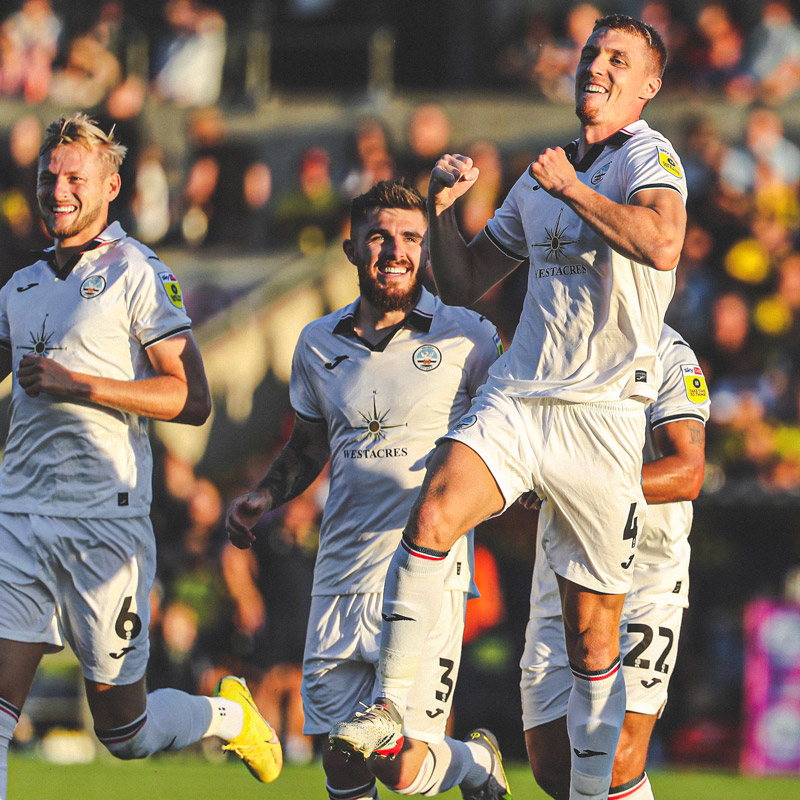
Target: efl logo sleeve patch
{"points": [[695, 382], [669, 162], [172, 288]]}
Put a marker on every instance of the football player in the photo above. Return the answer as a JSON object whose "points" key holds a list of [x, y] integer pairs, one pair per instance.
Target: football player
{"points": [[98, 341], [373, 385]]}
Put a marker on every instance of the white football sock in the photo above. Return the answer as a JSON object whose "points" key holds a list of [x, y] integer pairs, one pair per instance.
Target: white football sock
{"points": [[595, 713], [448, 764], [412, 602], [9, 717], [173, 720], [637, 789]]}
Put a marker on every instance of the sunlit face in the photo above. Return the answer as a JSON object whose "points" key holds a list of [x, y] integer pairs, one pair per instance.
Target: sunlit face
{"points": [[388, 248], [615, 78], [74, 189]]}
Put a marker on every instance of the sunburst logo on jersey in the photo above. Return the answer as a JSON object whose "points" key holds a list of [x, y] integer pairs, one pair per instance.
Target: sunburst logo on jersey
{"points": [[40, 342], [555, 241], [375, 424]]}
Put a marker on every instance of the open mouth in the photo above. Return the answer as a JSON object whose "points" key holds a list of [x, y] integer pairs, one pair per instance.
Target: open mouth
{"points": [[393, 269]]}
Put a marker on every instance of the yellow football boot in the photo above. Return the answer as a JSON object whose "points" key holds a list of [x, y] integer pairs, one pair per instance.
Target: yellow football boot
{"points": [[257, 745]]}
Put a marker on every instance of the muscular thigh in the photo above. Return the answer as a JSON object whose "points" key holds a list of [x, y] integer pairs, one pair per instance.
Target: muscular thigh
{"points": [[593, 505]]}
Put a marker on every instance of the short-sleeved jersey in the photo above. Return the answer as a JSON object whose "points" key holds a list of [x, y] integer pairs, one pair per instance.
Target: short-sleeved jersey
{"points": [[384, 407], [97, 315], [661, 564], [592, 317]]}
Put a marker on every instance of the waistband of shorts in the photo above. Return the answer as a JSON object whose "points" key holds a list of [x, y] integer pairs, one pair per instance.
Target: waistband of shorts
{"points": [[629, 406]]}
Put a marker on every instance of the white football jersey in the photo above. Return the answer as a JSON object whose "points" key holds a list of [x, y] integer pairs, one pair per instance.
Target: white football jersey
{"points": [[384, 407], [97, 315], [661, 564], [592, 318]]}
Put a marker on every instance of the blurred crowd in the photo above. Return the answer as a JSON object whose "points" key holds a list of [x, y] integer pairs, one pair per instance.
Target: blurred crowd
{"points": [[737, 301]]}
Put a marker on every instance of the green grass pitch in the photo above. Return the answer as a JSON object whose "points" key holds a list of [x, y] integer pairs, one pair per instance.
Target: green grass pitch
{"points": [[175, 777]]}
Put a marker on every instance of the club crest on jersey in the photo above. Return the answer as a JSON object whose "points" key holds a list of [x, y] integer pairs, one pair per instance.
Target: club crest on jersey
{"points": [[93, 286], [695, 382], [427, 357], [667, 160], [600, 174], [172, 288], [465, 422]]}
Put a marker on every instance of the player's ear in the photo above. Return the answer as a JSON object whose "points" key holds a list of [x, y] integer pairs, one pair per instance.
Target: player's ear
{"points": [[349, 250], [114, 184], [650, 89]]}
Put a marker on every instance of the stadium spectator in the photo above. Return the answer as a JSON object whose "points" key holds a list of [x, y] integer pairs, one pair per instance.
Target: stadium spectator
{"points": [[21, 230], [771, 66], [372, 158], [428, 132], [29, 40], [373, 384], [626, 209], [310, 216], [114, 345], [554, 71], [717, 48], [91, 71], [190, 60]]}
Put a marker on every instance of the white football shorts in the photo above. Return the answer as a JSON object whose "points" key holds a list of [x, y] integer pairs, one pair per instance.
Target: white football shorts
{"points": [[341, 664], [648, 647], [585, 459], [83, 581]]}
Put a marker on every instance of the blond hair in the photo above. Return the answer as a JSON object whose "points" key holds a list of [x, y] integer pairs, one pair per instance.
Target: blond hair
{"points": [[82, 130]]}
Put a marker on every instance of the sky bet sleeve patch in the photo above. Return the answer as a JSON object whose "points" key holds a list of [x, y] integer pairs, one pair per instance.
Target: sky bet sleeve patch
{"points": [[695, 382], [172, 288], [667, 160]]}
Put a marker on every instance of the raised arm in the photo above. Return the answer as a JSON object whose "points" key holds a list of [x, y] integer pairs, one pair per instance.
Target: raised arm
{"points": [[178, 393], [463, 272], [678, 474], [649, 230], [297, 465]]}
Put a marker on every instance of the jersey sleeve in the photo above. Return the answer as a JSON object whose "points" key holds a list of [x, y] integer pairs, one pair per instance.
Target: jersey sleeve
{"points": [[302, 391], [683, 393], [488, 348], [155, 301], [652, 163], [504, 230]]}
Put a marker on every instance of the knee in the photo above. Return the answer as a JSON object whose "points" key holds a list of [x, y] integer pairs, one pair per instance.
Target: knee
{"points": [[429, 525], [127, 742], [593, 649]]}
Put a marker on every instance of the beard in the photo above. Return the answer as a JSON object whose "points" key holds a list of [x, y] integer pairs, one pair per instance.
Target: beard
{"points": [[389, 298], [84, 218]]}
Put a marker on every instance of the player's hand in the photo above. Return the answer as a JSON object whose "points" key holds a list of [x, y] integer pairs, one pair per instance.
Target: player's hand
{"points": [[530, 500], [452, 176], [243, 514], [38, 374], [554, 172]]}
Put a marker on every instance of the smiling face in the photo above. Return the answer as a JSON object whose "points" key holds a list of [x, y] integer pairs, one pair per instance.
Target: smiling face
{"points": [[615, 79], [388, 247], [74, 189]]}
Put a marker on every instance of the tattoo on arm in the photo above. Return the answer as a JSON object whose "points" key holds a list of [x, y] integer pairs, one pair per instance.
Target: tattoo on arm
{"points": [[697, 433], [295, 468]]}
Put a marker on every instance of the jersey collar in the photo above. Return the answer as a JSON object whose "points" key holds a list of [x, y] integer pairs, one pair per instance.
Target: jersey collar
{"points": [[113, 233], [419, 318], [615, 141]]}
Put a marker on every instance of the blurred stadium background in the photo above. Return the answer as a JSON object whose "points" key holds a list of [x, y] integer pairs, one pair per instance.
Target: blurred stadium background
{"points": [[251, 124]]}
